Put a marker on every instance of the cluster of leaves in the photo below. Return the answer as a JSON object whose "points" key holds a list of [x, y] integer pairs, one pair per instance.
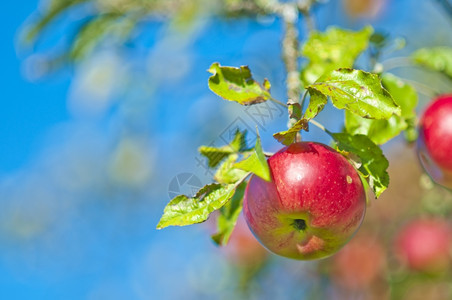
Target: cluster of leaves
{"points": [[234, 163], [378, 107], [331, 56]]}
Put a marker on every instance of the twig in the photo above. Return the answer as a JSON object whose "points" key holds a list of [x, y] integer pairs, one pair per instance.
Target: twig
{"points": [[423, 88], [397, 62], [317, 124], [304, 6], [278, 102], [303, 99]]}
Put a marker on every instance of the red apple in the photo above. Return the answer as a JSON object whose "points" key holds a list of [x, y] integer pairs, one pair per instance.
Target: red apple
{"points": [[313, 205], [434, 145], [425, 245]]}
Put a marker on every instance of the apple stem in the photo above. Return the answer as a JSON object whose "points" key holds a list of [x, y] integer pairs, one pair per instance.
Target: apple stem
{"points": [[303, 100], [278, 102], [318, 125]]}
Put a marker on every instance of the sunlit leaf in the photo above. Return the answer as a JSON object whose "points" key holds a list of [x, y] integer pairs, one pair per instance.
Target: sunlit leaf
{"points": [[183, 210], [288, 137], [354, 90], [227, 173], [381, 131], [256, 162], [374, 164], [237, 84], [216, 154], [403, 93], [336, 48], [317, 102]]}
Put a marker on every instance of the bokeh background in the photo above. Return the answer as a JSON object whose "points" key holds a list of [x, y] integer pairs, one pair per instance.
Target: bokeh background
{"points": [[93, 149]]}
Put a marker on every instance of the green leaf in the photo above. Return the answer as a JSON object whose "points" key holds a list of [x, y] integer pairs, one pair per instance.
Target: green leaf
{"points": [[317, 102], [183, 210], [403, 94], [228, 216], [437, 59], [379, 39], [288, 137], [357, 91], [237, 84], [373, 163], [365, 185], [227, 173], [56, 8], [381, 131], [294, 109], [216, 154], [256, 162], [336, 48], [93, 32]]}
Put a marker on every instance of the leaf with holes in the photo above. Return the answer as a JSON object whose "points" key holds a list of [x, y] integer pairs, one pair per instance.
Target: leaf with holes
{"points": [[357, 91], [237, 84]]}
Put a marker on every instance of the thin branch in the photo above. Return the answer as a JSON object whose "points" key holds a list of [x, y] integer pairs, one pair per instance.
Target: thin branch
{"points": [[397, 62], [424, 89], [304, 6], [278, 102], [318, 125], [290, 51], [303, 99]]}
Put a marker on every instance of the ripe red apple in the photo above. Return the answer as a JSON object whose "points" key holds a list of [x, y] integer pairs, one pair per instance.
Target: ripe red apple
{"points": [[313, 205], [425, 245], [434, 145]]}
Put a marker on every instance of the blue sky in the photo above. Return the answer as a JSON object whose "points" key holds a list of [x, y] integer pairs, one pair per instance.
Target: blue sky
{"points": [[28, 109]]}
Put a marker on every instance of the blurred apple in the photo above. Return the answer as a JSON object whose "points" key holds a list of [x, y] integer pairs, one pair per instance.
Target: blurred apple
{"points": [[363, 8], [425, 245], [434, 145], [243, 249], [359, 263]]}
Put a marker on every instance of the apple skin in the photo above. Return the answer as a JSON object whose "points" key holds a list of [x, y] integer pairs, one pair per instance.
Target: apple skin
{"points": [[425, 245], [434, 145], [313, 205]]}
